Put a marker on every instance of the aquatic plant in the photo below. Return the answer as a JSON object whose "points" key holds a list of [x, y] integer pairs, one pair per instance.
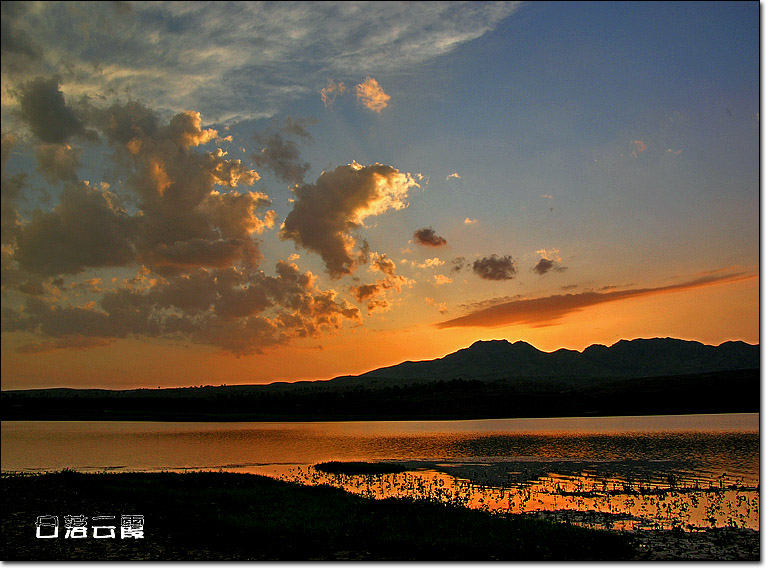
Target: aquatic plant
{"points": [[669, 500]]}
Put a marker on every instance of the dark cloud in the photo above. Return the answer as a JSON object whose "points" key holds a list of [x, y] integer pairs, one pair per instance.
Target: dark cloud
{"points": [[298, 127], [44, 109], [58, 162], [495, 267], [88, 229], [122, 123], [326, 213], [18, 51], [546, 311], [428, 237], [365, 291], [458, 263], [243, 312], [545, 265], [281, 156], [198, 252]]}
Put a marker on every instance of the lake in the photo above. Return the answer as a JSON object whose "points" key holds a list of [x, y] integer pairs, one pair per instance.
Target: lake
{"points": [[622, 472]]}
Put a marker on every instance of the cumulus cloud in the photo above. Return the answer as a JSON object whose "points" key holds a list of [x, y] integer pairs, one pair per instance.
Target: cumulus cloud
{"points": [[89, 228], [470, 221], [439, 279], [186, 222], [453, 176], [327, 213], [548, 310], [495, 267], [371, 95], [191, 226], [376, 294], [428, 237]]}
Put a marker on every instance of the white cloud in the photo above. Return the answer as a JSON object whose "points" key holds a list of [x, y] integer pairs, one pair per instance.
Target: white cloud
{"points": [[233, 60]]}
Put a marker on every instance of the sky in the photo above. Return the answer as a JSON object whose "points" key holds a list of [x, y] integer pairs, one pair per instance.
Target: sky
{"points": [[202, 193]]}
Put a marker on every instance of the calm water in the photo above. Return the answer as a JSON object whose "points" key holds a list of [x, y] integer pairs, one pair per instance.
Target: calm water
{"points": [[729, 443], [517, 465]]}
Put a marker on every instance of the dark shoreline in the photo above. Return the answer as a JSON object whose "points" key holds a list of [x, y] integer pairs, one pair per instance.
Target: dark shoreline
{"points": [[393, 400], [212, 516], [221, 516]]}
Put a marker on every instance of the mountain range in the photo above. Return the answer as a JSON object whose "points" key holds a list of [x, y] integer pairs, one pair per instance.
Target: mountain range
{"points": [[489, 379], [639, 358]]}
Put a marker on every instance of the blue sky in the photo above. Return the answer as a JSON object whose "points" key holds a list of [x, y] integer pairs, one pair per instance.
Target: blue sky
{"points": [[552, 152]]}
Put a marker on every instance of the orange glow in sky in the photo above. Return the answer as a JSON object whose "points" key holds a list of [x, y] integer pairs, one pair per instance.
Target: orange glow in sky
{"points": [[711, 314], [297, 200]]}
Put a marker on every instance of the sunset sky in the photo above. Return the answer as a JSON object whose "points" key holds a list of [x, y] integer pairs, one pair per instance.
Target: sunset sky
{"points": [[206, 193]]}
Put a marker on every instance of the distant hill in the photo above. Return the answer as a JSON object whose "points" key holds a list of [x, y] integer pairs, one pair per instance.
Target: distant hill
{"points": [[500, 359], [487, 380]]}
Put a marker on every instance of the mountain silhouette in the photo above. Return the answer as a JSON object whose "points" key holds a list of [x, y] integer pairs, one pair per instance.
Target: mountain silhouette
{"points": [[488, 380], [500, 359]]}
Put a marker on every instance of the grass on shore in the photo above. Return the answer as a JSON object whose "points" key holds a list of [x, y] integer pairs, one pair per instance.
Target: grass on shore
{"points": [[214, 516]]}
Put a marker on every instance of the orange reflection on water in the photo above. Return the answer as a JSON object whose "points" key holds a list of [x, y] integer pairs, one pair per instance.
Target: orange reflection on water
{"points": [[586, 499], [627, 472]]}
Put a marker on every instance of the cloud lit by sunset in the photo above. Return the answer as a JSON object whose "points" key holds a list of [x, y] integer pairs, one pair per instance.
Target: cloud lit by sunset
{"points": [[230, 213], [371, 95]]}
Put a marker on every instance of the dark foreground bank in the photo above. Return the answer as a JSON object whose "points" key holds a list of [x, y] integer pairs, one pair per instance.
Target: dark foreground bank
{"points": [[229, 516], [385, 399]]}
